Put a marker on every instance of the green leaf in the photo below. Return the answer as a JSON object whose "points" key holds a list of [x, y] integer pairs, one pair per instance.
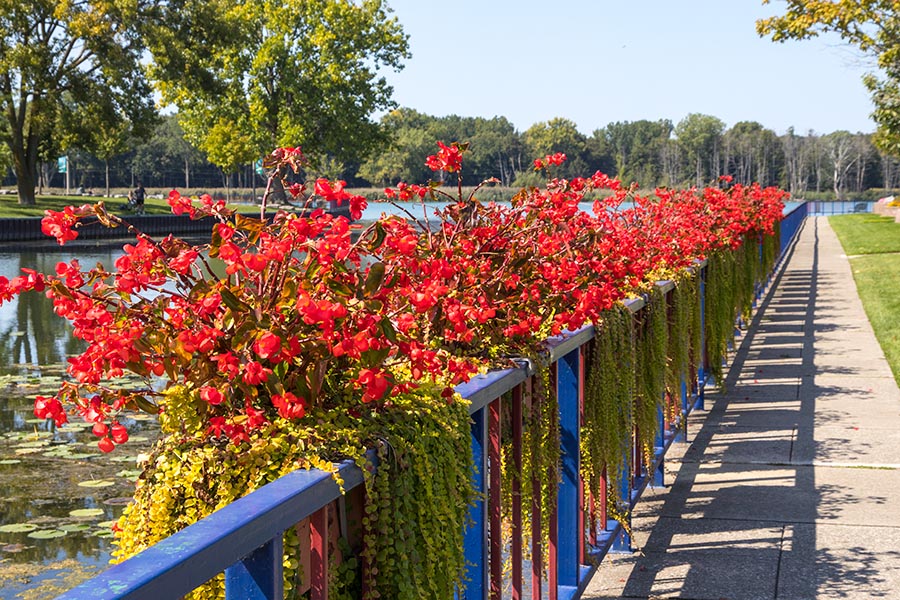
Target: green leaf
{"points": [[96, 483], [387, 328], [380, 235], [232, 301], [83, 513], [18, 528], [374, 278], [47, 534]]}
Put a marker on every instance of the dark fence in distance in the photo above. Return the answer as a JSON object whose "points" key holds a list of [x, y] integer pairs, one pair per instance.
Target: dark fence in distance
{"points": [[824, 209]]}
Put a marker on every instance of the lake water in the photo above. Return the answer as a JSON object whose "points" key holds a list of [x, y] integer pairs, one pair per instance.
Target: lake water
{"points": [[58, 493]]}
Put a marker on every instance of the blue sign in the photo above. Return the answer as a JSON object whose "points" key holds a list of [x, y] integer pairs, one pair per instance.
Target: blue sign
{"points": [[62, 164]]}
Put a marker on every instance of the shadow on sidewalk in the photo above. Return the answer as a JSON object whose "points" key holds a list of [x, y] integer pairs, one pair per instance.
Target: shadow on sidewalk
{"points": [[743, 518]]}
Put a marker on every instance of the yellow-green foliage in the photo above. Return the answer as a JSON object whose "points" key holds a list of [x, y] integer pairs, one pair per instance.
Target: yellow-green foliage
{"points": [[416, 503]]}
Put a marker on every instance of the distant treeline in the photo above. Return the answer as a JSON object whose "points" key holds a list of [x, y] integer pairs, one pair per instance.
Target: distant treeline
{"points": [[695, 151]]}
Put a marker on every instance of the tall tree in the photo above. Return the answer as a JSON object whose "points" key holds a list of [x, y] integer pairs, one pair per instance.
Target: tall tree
{"points": [[558, 135], [250, 76], [700, 136], [58, 56], [839, 146], [873, 26], [636, 147]]}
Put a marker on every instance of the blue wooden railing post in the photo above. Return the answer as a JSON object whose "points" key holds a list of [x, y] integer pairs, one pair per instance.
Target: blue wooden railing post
{"points": [[681, 432], [622, 542], [568, 388], [476, 536], [658, 477], [259, 575], [701, 369]]}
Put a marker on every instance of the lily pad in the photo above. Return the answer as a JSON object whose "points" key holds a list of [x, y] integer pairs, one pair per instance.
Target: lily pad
{"points": [[103, 533], [33, 444], [47, 534], [96, 483], [10, 461], [137, 439], [18, 528], [74, 527], [13, 548], [124, 458], [83, 513], [107, 524], [28, 450]]}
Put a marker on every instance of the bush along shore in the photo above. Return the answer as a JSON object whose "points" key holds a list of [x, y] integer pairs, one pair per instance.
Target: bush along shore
{"points": [[314, 340]]}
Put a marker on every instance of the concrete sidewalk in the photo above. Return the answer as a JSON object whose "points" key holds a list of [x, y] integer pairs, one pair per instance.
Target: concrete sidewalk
{"points": [[790, 487]]}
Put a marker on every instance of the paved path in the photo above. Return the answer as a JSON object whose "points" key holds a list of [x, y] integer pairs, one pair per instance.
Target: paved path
{"points": [[790, 488]]}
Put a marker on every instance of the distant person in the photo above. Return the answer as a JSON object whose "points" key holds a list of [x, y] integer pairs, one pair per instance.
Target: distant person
{"points": [[136, 198]]}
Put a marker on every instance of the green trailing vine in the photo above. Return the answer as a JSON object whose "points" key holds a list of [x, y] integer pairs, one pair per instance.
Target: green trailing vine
{"points": [[608, 402], [651, 344], [416, 503], [684, 334], [720, 310]]}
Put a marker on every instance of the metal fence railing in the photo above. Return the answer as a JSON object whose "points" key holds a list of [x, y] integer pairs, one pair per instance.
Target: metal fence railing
{"points": [[244, 539]]}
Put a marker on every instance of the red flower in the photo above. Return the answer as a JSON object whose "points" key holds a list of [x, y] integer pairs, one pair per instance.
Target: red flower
{"points": [[255, 373], [375, 382], [211, 395], [267, 345], [181, 204], [106, 445], [448, 158], [289, 406], [119, 433]]}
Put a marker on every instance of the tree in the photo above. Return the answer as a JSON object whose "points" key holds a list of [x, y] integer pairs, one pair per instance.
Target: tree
{"points": [[700, 136], [840, 151], [636, 147], [752, 153], [64, 57], [166, 151], [873, 26], [249, 76], [558, 135]]}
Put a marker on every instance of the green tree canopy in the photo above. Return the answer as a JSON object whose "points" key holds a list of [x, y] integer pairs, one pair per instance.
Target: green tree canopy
{"points": [[636, 148], [700, 137], [873, 26], [250, 76], [64, 63]]}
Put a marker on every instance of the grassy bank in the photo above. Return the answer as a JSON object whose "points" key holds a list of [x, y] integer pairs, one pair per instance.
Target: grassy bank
{"points": [[873, 243], [10, 207]]}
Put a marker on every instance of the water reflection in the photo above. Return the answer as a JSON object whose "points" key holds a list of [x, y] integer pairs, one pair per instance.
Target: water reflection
{"points": [[53, 481]]}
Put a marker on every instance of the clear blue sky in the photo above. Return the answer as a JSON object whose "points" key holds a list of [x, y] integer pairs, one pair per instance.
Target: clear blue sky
{"points": [[600, 61]]}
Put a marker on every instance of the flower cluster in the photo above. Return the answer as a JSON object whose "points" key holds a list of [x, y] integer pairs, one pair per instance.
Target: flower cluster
{"points": [[279, 314]]}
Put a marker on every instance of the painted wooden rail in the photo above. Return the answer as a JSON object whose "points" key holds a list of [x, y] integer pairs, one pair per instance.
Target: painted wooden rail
{"points": [[243, 539]]}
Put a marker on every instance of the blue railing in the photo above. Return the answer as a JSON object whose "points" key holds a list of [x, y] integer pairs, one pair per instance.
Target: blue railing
{"points": [[244, 539]]}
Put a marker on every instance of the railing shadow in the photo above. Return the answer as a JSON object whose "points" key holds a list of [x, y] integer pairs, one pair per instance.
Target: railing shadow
{"points": [[743, 517]]}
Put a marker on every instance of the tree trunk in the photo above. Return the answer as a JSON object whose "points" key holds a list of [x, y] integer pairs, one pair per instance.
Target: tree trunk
{"points": [[106, 163], [187, 174]]}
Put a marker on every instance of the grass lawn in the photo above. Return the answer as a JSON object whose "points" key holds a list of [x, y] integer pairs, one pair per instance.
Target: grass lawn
{"points": [[877, 275], [10, 207], [866, 233]]}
